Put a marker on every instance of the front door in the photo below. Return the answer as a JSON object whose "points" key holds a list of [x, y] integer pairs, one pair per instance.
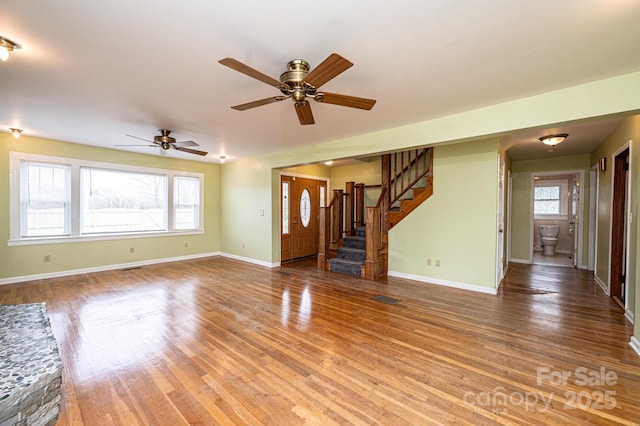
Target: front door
{"points": [[300, 207]]}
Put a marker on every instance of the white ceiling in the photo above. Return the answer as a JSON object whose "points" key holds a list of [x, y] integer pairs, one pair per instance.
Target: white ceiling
{"points": [[92, 72]]}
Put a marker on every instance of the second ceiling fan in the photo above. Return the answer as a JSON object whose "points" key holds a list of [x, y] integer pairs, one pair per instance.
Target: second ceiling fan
{"points": [[300, 84]]}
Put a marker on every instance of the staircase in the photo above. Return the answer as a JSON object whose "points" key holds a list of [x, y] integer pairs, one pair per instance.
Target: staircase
{"points": [[351, 255], [417, 194], [345, 246]]}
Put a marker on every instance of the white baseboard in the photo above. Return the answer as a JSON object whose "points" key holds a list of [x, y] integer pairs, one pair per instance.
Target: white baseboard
{"points": [[601, 284], [250, 260], [628, 315], [14, 280], [446, 283], [635, 344], [524, 261]]}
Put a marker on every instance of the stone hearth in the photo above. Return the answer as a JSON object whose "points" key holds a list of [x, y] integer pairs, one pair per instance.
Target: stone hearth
{"points": [[30, 367]]}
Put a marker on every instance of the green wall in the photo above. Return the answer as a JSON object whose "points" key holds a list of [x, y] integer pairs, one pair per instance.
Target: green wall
{"points": [[522, 172], [627, 133], [24, 261], [457, 224]]}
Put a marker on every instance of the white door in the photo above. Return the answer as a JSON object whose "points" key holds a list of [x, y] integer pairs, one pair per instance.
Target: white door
{"points": [[500, 223], [574, 224]]}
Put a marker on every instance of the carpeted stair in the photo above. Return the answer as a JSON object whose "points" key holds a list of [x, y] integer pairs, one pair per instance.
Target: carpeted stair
{"points": [[351, 255]]}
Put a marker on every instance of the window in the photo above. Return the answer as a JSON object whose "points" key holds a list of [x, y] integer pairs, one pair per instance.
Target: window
{"points": [[550, 200], [44, 200], [285, 207], [60, 199], [118, 201], [186, 202]]}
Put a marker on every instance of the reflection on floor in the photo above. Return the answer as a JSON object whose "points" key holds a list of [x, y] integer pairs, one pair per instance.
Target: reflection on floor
{"points": [[558, 259]]}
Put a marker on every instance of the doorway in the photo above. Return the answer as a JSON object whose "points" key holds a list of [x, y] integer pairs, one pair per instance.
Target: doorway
{"points": [[557, 201], [300, 202], [619, 226]]}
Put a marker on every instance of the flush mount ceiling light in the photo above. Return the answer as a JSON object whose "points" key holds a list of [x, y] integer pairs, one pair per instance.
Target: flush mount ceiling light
{"points": [[16, 132], [553, 140], [7, 46], [222, 158]]}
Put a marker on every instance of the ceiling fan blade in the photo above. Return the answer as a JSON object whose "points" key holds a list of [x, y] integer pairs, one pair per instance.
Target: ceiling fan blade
{"points": [[234, 64], [328, 69], [142, 139], [303, 109], [185, 143], [190, 151], [138, 145], [261, 102], [344, 100]]}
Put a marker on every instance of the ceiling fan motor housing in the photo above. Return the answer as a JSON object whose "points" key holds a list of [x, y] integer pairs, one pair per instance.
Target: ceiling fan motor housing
{"points": [[164, 139], [297, 71]]}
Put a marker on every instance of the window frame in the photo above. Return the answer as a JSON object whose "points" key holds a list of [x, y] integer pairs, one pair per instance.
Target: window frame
{"points": [[15, 208], [563, 200]]}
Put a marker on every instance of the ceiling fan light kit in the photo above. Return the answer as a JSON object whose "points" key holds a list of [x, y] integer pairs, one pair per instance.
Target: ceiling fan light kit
{"points": [[299, 83]]}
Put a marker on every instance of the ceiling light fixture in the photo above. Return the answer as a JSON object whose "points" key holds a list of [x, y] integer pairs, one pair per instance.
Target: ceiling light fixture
{"points": [[222, 158], [16, 132], [7, 46], [553, 140]]}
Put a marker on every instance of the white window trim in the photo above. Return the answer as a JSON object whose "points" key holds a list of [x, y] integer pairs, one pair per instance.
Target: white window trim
{"points": [[564, 200], [15, 159]]}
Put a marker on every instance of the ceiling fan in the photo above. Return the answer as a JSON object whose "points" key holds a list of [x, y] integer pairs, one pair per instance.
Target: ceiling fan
{"points": [[166, 142], [300, 84]]}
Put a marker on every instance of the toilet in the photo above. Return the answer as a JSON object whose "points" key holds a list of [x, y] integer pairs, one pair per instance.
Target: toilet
{"points": [[549, 237]]}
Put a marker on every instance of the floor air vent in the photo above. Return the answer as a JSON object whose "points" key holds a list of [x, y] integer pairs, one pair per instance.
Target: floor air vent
{"points": [[386, 299]]}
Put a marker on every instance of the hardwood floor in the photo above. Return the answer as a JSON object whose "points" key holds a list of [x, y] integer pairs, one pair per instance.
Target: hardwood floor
{"points": [[218, 341]]}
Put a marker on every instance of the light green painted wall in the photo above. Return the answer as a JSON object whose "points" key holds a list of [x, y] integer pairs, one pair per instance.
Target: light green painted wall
{"points": [[457, 224], [366, 172], [24, 261], [522, 172], [316, 170], [250, 192], [627, 132]]}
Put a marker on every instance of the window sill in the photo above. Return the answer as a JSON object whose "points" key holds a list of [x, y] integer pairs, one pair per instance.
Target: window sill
{"points": [[102, 237], [551, 217]]}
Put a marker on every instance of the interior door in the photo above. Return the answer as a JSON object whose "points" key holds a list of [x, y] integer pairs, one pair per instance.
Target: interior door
{"points": [[618, 225], [574, 224], [500, 263]]}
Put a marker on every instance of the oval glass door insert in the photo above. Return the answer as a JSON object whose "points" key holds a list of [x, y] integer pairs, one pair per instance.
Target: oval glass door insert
{"points": [[305, 208]]}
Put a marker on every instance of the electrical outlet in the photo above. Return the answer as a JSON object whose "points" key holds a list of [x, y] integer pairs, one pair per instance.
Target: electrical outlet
{"points": [[47, 258], [242, 245], [186, 245], [428, 261], [437, 263], [132, 250]]}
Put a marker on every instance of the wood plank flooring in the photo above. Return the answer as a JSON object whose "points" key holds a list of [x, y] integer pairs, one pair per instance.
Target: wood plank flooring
{"points": [[218, 341]]}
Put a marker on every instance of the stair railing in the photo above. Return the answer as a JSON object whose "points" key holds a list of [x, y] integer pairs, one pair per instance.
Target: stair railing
{"points": [[331, 228], [375, 264], [406, 169]]}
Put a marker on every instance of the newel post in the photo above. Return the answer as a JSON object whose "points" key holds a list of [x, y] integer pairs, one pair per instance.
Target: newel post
{"points": [[372, 261]]}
